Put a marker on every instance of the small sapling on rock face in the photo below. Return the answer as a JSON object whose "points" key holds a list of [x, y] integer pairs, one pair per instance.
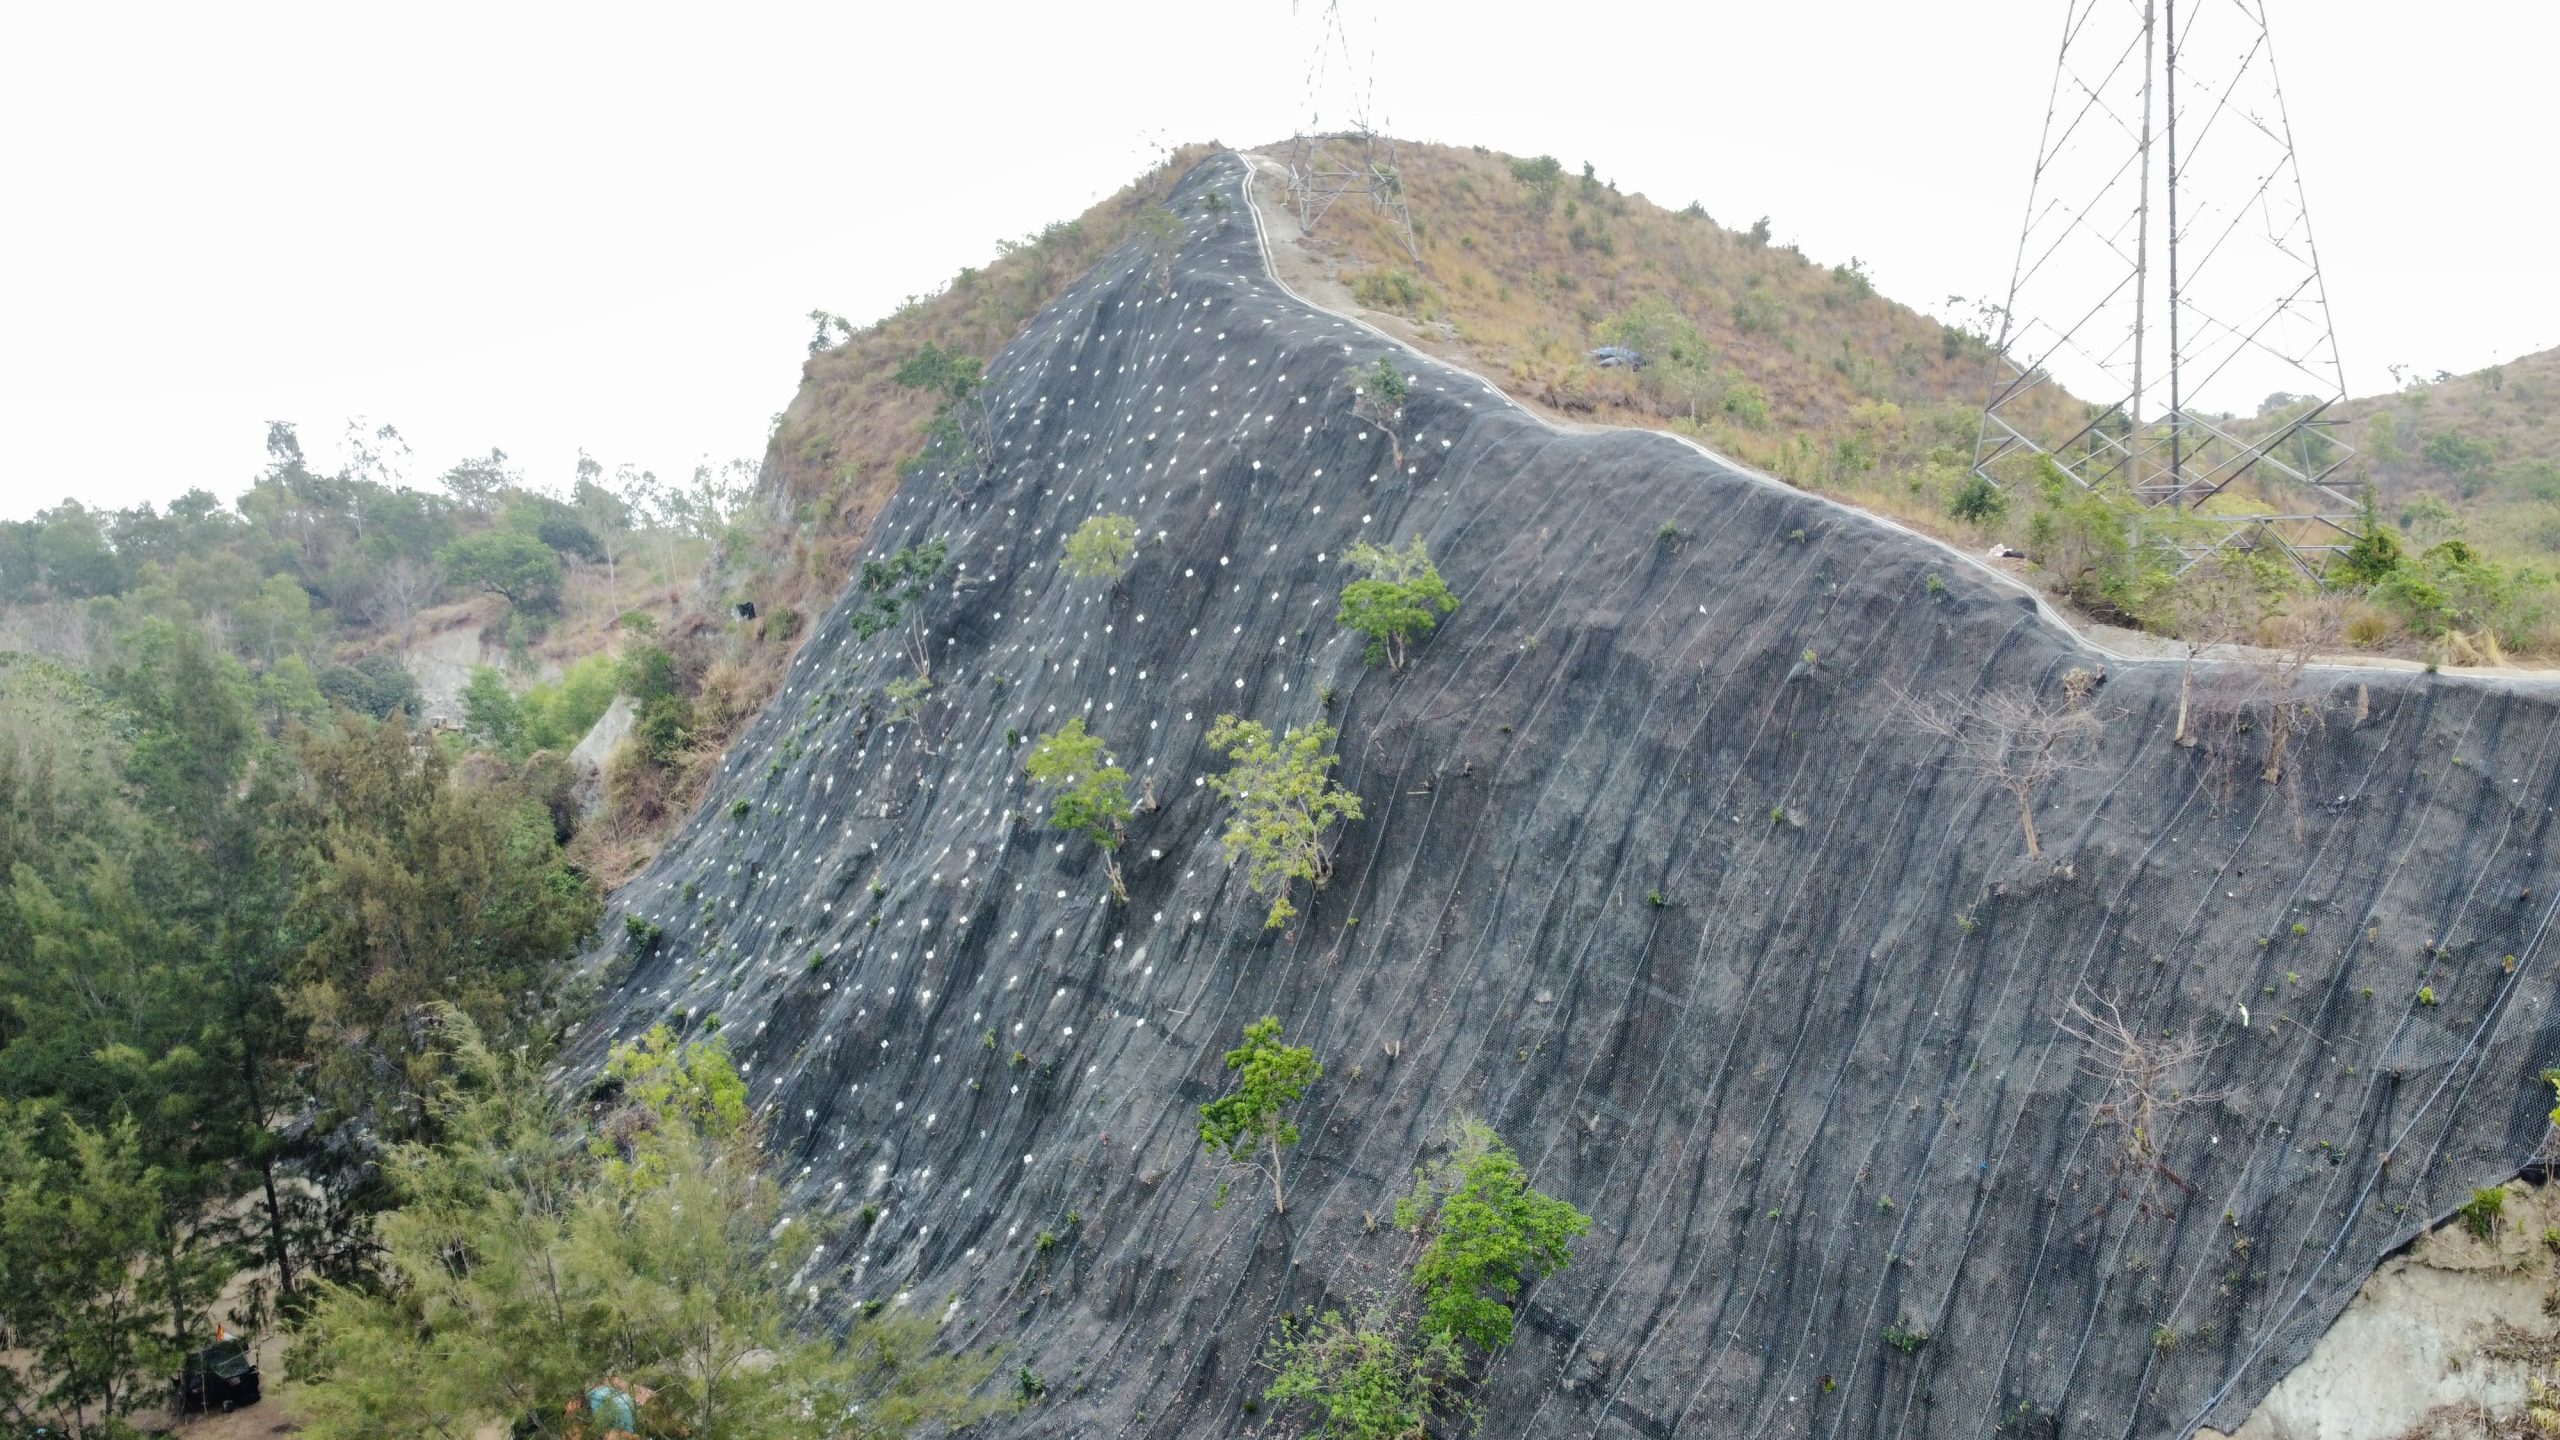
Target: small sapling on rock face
{"points": [[1103, 548], [1378, 393], [1398, 599], [1089, 792], [1248, 1127]]}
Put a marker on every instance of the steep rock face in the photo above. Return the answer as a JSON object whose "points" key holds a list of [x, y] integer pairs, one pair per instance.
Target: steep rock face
{"points": [[1820, 1091]]}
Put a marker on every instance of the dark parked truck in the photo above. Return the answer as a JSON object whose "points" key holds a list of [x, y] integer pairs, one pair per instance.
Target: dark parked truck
{"points": [[221, 1377]]}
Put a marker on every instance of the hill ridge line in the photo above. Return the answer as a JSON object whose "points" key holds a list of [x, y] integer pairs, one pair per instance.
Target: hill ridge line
{"points": [[2046, 610]]}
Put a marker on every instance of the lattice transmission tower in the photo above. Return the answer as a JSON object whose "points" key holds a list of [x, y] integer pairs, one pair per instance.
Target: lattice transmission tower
{"points": [[2167, 329], [1341, 153]]}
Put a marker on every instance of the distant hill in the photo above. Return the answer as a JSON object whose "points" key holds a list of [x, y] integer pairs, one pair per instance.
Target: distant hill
{"points": [[2472, 457]]}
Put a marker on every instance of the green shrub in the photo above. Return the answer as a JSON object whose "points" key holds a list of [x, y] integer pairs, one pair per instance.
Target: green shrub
{"points": [[2481, 1213], [1537, 170], [2458, 455], [1746, 403], [2451, 587], [1103, 548], [1089, 792], [1364, 1378], [2112, 552], [1398, 599], [1389, 290], [492, 714], [1979, 502], [558, 713], [892, 583], [906, 698], [2375, 553], [937, 371], [1382, 391], [1284, 802], [1491, 1234], [1756, 311], [1539, 175], [506, 562], [1159, 233], [378, 685]]}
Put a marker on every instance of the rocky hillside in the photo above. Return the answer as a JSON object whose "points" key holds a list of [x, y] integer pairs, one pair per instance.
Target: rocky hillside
{"points": [[1661, 872]]}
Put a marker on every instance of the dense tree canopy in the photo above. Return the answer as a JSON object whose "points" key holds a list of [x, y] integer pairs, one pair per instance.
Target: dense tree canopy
{"points": [[527, 1263]]}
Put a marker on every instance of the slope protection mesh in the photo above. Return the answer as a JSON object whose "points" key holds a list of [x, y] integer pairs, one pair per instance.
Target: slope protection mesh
{"points": [[1818, 1097]]}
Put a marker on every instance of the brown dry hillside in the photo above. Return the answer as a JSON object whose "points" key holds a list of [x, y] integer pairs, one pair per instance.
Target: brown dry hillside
{"points": [[2473, 457], [1524, 267], [1530, 272], [1803, 370], [834, 457], [1799, 368]]}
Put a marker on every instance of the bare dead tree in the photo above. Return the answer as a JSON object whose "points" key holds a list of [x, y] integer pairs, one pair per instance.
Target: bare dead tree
{"points": [[2262, 692], [400, 590], [2145, 1076], [2014, 738], [2298, 639], [2214, 606]]}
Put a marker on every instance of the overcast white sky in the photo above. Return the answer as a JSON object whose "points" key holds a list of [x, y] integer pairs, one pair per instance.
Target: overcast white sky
{"points": [[545, 227]]}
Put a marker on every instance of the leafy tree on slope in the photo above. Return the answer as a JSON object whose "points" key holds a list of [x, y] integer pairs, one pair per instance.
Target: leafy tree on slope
{"points": [[1284, 805], [1102, 548], [1240, 1127], [1398, 599], [1089, 792]]}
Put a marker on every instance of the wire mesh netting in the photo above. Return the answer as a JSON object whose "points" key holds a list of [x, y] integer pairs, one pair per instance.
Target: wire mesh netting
{"points": [[1657, 874]]}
